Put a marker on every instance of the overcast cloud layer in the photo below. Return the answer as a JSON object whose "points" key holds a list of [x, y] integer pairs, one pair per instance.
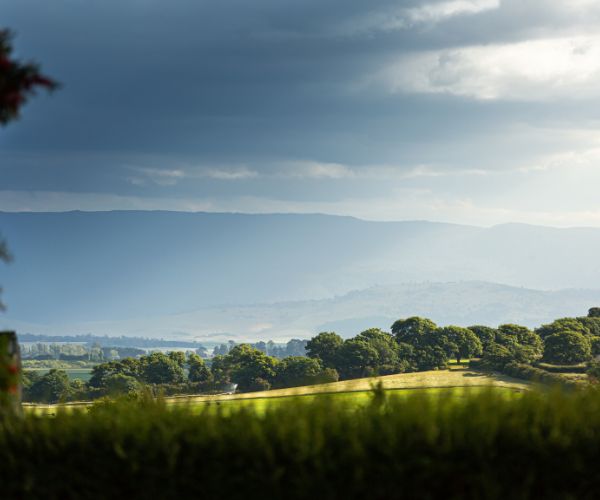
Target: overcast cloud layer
{"points": [[472, 111]]}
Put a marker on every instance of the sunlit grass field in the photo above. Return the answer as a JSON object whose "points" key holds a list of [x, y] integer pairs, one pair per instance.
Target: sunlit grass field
{"points": [[349, 400], [439, 379], [456, 382]]}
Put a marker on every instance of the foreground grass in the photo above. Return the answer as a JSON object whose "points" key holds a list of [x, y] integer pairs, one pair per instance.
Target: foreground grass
{"points": [[542, 444]]}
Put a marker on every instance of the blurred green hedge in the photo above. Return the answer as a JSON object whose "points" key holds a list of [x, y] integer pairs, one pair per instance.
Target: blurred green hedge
{"points": [[528, 372], [543, 444]]}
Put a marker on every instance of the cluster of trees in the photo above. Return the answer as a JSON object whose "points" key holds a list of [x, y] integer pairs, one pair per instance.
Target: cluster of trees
{"points": [[565, 341], [172, 372], [414, 344], [572, 340], [52, 387], [254, 370], [295, 347], [177, 372], [113, 342], [76, 352]]}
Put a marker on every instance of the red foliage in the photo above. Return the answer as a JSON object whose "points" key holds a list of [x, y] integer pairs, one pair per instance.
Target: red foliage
{"points": [[18, 81]]}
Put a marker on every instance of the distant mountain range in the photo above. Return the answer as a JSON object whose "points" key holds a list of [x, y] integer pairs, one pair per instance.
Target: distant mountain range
{"points": [[460, 303], [275, 276]]}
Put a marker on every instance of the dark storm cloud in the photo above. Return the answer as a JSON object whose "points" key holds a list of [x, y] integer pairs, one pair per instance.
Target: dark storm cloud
{"points": [[222, 99], [251, 77]]}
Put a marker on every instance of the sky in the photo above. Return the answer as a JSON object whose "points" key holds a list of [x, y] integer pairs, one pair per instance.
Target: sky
{"points": [[468, 111]]}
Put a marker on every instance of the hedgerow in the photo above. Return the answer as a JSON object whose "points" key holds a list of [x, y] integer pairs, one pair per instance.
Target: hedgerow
{"points": [[528, 372], [579, 368], [544, 444]]}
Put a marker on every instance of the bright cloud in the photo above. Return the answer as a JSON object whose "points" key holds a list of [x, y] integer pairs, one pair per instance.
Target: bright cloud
{"points": [[403, 18], [162, 177], [435, 12], [228, 175], [530, 70], [170, 177], [316, 170]]}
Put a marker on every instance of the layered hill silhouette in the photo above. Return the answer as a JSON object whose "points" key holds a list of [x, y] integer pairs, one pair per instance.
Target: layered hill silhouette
{"points": [[140, 268]]}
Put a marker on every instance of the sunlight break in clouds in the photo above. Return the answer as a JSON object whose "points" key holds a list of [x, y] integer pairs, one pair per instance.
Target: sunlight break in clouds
{"points": [[304, 169], [529, 70], [435, 12], [402, 18], [170, 177]]}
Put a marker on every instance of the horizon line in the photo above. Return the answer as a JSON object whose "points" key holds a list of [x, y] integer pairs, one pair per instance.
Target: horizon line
{"points": [[310, 214]]}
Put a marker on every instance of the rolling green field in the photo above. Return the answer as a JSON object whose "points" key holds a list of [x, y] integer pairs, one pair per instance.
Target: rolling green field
{"points": [[349, 400], [456, 382], [436, 379]]}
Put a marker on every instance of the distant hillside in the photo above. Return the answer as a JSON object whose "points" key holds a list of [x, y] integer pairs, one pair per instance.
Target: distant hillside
{"points": [[77, 267], [460, 303]]}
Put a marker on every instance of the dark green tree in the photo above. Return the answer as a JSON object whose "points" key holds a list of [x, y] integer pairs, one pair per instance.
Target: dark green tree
{"points": [[325, 346], [119, 384], [594, 312], [250, 368], [517, 335], [591, 324], [52, 387], [407, 358], [295, 371], [567, 347], [198, 371], [414, 331], [130, 367], [485, 334], [561, 325], [388, 360], [595, 343], [178, 357], [158, 368], [459, 342], [497, 356], [431, 357], [28, 378], [220, 370], [356, 359]]}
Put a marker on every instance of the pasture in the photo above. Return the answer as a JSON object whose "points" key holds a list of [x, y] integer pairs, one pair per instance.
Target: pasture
{"points": [[456, 382]]}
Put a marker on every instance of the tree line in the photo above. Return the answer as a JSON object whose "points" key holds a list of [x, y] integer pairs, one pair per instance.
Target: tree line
{"points": [[179, 373], [414, 344], [94, 353], [106, 341]]}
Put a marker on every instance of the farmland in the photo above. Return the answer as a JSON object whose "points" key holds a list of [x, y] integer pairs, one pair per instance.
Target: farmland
{"points": [[455, 381], [434, 379]]}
